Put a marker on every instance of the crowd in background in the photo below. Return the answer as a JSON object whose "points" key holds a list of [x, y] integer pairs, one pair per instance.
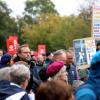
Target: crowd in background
{"points": [[50, 76]]}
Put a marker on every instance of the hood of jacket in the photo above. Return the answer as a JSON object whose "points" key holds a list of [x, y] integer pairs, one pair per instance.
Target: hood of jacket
{"points": [[94, 75]]}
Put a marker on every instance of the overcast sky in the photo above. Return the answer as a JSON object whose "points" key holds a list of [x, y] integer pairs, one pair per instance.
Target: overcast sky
{"points": [[64, 7]]}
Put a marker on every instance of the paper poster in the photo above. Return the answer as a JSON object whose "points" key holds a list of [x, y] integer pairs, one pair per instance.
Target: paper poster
{"points": [[80, 52], [96, 22], [12, 45], [84, 50], [41, 49], [90, 49]]}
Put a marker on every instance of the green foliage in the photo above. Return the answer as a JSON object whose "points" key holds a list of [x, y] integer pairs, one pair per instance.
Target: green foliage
{"points": [[86, 11], [41, 24], [77, 28], [56, 32], [7, 24], [36, 8]]}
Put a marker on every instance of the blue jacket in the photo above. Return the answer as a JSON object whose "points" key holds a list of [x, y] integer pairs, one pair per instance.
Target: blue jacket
{"points": [[93, 80], [85, 94], [72, 73]]}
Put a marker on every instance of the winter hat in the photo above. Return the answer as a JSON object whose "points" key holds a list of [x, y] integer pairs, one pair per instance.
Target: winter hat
{"points": [[54, 68], [5, 59]]}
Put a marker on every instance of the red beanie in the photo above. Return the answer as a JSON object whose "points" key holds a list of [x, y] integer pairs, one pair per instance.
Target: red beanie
{"points": [[54, 68]]}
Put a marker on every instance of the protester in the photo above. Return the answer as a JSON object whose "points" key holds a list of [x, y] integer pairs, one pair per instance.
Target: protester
{"points": [[20, 74], [67, 58], [91, 89], [60, 55], [14, 89], [5, 73], [40, 63], [47, 61], [5, 60], [54, 90], [71, 68], [49, 58], [24, 54], [57, 71]]}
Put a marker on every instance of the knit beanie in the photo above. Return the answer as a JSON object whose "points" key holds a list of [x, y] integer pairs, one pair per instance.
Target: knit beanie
{"points": [[54, 68]]}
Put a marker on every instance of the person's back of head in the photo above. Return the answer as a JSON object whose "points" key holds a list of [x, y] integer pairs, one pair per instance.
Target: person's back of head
{"points": [[23, 63], [5, 73], [20, 74], [54, 90]]}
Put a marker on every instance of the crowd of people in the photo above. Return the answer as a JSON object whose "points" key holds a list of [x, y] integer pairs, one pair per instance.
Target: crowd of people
{"points": [[50, 76]]}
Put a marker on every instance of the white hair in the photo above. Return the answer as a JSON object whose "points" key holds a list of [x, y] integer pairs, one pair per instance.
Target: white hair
{"points": [[19, 73], [61, 72], [59, 52]]}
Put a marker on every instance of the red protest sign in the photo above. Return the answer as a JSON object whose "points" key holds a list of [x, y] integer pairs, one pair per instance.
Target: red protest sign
{"points": [[12, 45], [42, 49]]}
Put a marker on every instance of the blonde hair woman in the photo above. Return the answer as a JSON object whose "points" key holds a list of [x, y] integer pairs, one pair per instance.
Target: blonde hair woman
{"points": [[57, 71]]}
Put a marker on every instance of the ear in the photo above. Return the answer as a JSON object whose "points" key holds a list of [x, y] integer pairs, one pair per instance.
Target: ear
{"points": [[24, 84]]}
